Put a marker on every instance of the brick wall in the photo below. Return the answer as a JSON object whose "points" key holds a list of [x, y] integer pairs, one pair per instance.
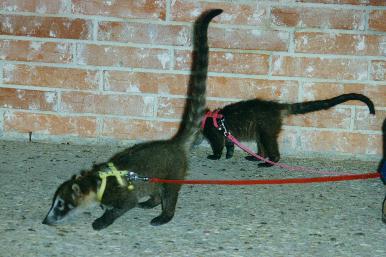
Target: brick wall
{"points": [[116, 70]]}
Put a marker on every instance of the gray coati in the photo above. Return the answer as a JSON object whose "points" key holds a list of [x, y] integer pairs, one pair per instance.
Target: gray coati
{"points": [[262, 121], [165, 159]]}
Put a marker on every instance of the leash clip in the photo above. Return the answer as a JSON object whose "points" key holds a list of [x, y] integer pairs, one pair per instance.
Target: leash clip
{"points": [[223, 128], [132, 176]]}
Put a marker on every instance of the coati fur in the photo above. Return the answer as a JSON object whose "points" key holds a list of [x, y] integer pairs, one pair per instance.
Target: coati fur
{"points": [[165, 159], [262, 121]]}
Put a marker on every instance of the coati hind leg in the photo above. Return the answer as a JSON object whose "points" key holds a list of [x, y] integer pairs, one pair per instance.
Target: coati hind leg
{"points": [[260, 149], [169, 195], [271, 147]]}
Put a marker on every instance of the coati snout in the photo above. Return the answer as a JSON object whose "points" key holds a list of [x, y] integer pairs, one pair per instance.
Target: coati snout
{"points": [[67, 199]]}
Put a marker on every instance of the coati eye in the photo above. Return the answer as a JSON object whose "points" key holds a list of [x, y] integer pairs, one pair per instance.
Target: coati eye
{"points": [[60, 204]]}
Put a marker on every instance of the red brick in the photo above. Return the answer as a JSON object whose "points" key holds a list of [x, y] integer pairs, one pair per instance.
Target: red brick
{"points": [[333, 118], [51, 27], [140, 82], [349, 69], [377, 20], [138, 129], [366, 121], [122, 56], [17, 50], [170, 107], [51, 77], [378, 70], [286, 91], [377, 2], [80, 102], [248, 39], [317, 91], [175, 35], [146, 9], [318, 18], [27, 99], [36, 6], [341, 142], [234, 13], [244, 63], [24, 122], [323, 43]]}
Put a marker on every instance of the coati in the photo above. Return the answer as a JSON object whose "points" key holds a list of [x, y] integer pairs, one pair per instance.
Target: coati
{"points": [[165, 159], [262, 120]]}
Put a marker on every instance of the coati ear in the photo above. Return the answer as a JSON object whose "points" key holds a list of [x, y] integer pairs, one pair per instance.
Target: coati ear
{"points": [[76, 190]]}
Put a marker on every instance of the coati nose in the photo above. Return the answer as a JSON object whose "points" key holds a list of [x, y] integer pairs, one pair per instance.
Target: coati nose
{"points": [[45, 221]]}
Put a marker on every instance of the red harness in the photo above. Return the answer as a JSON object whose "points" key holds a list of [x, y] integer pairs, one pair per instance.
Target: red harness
{"points": [[214, 115]]}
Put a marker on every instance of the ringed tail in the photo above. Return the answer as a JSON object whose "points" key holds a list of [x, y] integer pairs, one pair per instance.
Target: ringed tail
{"points": [[311, 106], [195, 103]]}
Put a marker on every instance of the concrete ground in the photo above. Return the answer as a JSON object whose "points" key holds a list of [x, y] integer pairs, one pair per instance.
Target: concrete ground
{"points": [[329, 219]]}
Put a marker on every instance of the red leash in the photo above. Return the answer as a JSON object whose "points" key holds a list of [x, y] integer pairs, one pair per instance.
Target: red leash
{"points": [[268, 181], [215, 115]]}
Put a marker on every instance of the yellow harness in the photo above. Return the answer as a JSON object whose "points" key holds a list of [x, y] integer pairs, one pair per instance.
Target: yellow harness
{"points": [[118, 174]]}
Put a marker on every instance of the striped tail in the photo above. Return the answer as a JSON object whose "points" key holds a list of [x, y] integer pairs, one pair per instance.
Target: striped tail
{"points": [[195, 103], [311, 106]]}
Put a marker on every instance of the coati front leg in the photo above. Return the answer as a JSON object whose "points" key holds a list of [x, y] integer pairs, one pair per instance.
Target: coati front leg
{"points": [[270, 145], [230, 147], [115, 207], [169, 195], [217, 144], [108, 218]]}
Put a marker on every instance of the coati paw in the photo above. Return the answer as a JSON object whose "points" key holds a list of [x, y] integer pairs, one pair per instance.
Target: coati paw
{"points": [[99, 224], [228, 156], [214, 157], [160, 220], [251, 158], [265, 165]]}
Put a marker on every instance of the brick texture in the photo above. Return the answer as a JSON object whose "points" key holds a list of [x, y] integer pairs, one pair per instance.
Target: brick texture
{"points": [[146, 9], [323, 43], [120, 69], [377, 20], [24, 122], [20, 50], [318, 18], [27, 99], [45, 27], [51, 77]]}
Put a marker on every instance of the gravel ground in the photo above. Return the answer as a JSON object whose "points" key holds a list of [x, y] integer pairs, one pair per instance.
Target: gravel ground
{"points": [[329, 219]]}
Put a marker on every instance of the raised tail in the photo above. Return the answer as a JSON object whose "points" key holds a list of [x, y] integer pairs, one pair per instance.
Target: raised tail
{"points": [[311, 106], [195, 103]]}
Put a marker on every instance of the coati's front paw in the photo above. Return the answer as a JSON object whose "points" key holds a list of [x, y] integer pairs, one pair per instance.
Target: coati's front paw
{"points": [[265, 165], [214, 157], [229, 155], [160, 220], [251, 158], [99, 224]]}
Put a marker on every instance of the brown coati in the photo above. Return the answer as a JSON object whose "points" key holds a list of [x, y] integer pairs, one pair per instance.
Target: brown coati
{"points": [[262, 120], [166, 159]]}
